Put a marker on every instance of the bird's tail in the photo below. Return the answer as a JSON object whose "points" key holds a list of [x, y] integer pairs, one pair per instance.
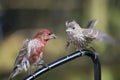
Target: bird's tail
{"points": [[14, 73]]}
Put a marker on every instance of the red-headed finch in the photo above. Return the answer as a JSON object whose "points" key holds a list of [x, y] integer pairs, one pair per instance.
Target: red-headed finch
{"points": [[32, 52]]}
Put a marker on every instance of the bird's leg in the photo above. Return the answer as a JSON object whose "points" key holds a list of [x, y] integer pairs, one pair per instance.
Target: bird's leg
{"points": [[67, 47], [78, 49], [28, 72], [94, 51], [41, 62], [68, 44]]}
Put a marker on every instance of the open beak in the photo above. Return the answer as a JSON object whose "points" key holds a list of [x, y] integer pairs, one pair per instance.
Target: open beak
{"points": [[52, 36]]}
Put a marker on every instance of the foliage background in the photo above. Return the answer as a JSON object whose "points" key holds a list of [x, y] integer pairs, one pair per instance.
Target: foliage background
{"points": [[20, 19]]}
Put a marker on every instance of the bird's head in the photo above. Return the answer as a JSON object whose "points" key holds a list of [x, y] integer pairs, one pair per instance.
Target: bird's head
{"points": [[45, 35], [72, 27]]}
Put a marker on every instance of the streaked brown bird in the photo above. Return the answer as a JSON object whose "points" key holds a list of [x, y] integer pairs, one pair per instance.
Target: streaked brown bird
{"points": [[81, 38]]}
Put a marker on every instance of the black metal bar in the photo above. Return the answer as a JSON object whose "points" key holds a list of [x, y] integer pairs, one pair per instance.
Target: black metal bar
{"points": [[97, 64], [94, 57]]}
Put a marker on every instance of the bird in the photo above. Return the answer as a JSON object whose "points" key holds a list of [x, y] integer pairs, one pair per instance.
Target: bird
{"points": [[31, 53], [81, 38]]}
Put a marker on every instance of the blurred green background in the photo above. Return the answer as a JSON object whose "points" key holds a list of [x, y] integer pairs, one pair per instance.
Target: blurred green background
{"points": [[21, 19]]}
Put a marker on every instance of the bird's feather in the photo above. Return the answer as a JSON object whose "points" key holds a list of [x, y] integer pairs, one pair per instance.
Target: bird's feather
{"points": [[90, 33], [91, 24], [106, 38], [99, 35], [22, 53]]}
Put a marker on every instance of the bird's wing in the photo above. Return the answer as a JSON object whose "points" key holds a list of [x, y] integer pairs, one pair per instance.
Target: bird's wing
{"points": [[90, 33], [101, 36], [106, 38], [22, 53], [91, 24]]}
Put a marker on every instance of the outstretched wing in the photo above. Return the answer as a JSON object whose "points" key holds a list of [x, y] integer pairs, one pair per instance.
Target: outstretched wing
{"points": [[101, 36], [106, 38], [91, 24], [22, 53]]}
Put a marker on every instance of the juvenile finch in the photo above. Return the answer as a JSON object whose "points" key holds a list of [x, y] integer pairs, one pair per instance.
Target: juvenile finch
{"points": [[32, 52], [81, 38]]}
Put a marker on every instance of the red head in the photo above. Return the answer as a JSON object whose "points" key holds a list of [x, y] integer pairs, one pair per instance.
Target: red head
{"points": [[45, 34]]}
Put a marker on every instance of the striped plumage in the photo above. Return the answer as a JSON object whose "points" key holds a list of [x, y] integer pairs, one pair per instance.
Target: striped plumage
{"points": [[81, 38]]}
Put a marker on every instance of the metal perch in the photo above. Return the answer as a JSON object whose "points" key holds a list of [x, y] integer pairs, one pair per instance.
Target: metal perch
{"points": [[92, 55]]}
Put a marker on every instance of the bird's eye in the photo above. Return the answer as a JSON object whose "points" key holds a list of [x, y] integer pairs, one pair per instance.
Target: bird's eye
{"points": [[73, 27], [49, 33]]}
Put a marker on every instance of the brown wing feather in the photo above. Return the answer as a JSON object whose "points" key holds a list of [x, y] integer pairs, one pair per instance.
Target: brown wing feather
{"points": [[90, 33], [22, 53], [101, 36]]}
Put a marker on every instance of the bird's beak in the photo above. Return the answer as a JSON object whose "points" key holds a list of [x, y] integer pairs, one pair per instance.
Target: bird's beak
{"points": [[52, 36], [68, 30]]}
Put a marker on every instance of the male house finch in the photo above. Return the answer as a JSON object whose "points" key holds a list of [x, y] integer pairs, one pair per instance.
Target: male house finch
{"points": [[32, 52], [82, 37]]}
